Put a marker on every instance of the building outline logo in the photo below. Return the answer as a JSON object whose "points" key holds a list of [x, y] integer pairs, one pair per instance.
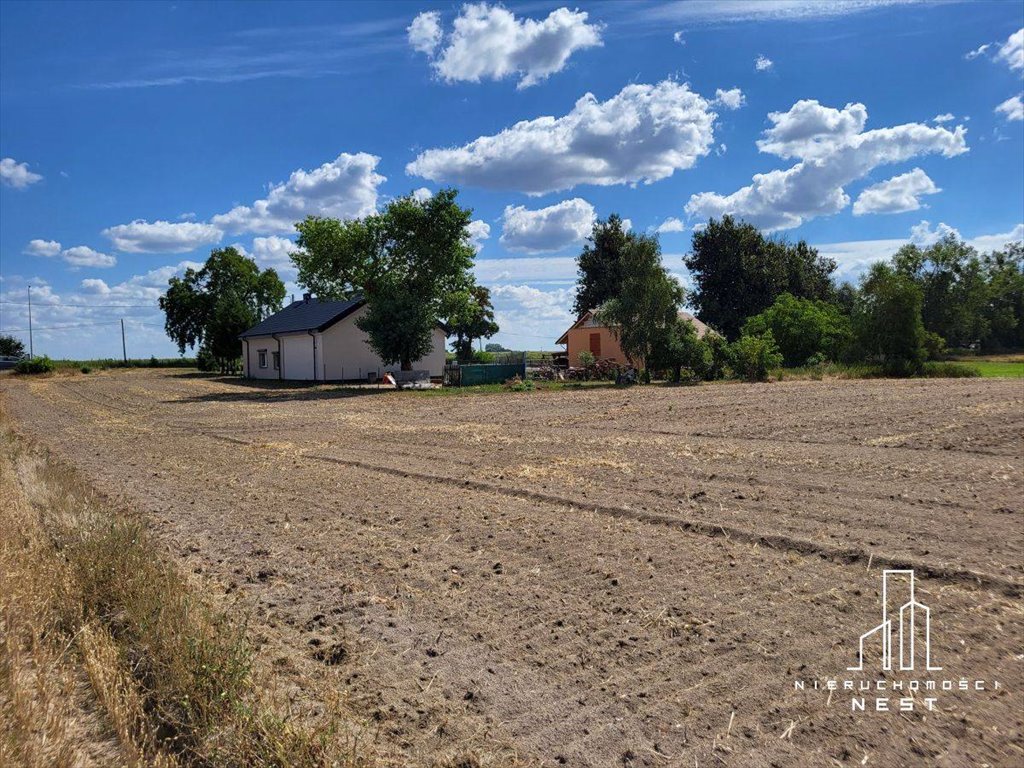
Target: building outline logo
{"points": [[909, 624]]}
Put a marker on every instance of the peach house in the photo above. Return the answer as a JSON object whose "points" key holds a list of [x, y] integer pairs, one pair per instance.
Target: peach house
{"points": [[587, 334]]}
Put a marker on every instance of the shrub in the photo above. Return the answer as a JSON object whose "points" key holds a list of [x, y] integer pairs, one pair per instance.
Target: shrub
{"points": [[803, 329], [85, 369], [33, 365], [935, 346], [516, 384], [719, 356], [753, 357]]}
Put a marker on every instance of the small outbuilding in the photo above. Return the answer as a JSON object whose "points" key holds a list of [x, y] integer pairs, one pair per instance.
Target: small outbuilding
{"points": [[314, 340], [589, 335]]}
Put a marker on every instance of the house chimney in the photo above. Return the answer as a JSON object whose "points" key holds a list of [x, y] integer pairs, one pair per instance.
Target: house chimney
{"points": [[306, 297]]}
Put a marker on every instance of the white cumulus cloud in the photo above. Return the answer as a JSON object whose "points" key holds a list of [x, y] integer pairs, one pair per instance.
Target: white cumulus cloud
{"points": [[344, 188], [731, 99], [997, 242], [488, 42], [547, 229], [17, 175], [425, 32], [945, 117], [643, 133], [479, 230], [1011, 52], [1012, 108], [162, 236], [43, 248], [833, 150], [422, 194], [671, 224], [84, 256], [763, 64], [924, 235], [534, 318], [896, 195], [77, 256], [273, 251]]}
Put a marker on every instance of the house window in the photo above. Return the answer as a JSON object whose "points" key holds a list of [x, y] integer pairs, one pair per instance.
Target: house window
{"points": [[595, 344], [263, 358], [277, 360]]}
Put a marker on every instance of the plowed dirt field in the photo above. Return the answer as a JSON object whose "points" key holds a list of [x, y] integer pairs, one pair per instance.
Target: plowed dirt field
{"points": [[596, 577]]}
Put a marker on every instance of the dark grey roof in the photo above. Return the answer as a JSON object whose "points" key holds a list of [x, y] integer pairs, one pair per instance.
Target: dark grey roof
{"points": [[305, 315]]}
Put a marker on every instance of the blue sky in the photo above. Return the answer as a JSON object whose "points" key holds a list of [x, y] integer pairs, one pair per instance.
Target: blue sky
{"points": [[135, 137]]}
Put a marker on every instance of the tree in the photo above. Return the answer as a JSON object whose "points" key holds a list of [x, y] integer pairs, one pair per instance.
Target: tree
{"points": [[887, 320], [679, 348], [753, 356], [11, 347], [599, 266], [802, 328], [738, 273], [1005, 307], [954, 290], [407, 261], [398, 322], [645, 310], [470, 315], [210, 307]]}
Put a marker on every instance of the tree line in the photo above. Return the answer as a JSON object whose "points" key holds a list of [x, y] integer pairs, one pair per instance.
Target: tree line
{"points": [[772, 302]]}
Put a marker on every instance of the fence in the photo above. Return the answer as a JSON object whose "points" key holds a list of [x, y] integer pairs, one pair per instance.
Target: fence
{"points": [[456, 375]]}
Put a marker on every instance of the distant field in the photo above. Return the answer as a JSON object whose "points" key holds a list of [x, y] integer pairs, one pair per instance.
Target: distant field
{"points": [[996, 366], [992, 369]]}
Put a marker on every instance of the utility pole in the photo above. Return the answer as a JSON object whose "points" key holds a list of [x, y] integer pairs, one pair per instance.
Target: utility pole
{"points": [[31, 349], [124, 349]]}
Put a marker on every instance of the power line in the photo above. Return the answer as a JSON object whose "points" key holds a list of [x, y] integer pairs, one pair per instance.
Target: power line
{"points": [[81, 306], [58, 327]]}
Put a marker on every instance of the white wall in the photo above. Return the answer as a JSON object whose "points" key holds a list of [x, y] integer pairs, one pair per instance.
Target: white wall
{"points": [[346, 355], [253, 369], [297, 356]]}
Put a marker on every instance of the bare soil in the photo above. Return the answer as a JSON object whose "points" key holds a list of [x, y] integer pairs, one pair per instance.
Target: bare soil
{"points": [[595, 577]]}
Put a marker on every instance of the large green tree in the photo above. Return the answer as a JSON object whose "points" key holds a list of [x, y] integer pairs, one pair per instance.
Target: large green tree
{"points": [[600, 268], [644, 311], [11, 347], [954, 289], [407, 261], [887, 320], [469, 316], [738, 272], [211, 306], [1005, 306]]}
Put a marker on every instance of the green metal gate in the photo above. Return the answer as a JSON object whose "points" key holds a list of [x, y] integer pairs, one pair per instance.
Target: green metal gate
{"points": [[471, 375]]}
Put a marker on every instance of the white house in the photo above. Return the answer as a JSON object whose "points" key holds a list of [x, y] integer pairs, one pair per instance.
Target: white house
{"points": [[313, 340]]}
